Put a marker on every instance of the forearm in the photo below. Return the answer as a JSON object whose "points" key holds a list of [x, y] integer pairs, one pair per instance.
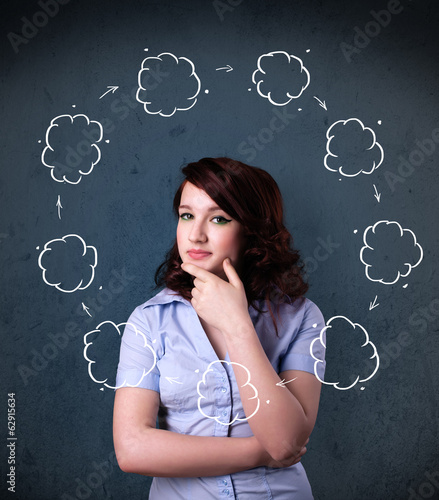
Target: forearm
{"points": [[161, 453], [280, 424]]}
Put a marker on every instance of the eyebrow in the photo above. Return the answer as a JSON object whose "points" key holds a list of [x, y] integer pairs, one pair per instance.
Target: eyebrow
{"points": [[210, 209]]}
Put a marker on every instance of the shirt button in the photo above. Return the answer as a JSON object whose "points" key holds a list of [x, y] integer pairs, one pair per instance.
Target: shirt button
{"points": [[225, 482], [223, 379], [223, 389], [226, 492], [225, 413]]}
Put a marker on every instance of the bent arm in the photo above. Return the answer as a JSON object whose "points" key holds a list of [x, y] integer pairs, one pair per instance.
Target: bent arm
{"points": [[287, 414], [142, 449]]}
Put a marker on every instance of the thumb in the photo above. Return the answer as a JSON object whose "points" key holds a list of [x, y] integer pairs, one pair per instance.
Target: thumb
{"points": [[231, 273]]}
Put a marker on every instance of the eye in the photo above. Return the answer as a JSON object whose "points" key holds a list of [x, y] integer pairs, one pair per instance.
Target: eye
{"points": [[185, 216], [221, 220]]}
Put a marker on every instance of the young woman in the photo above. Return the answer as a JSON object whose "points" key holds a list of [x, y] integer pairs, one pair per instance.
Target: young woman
{"points": [[223, 350]]}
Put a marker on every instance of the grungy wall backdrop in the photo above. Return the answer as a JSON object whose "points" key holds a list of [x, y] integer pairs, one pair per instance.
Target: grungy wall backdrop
{"points": [[104, 101]]}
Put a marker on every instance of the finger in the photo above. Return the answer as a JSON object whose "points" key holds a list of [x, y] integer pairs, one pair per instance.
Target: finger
{"points": [[196, 271], [198, 283], [299, 457], [231, 273]]}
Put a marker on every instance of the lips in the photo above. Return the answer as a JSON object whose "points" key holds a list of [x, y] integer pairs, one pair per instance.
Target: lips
{"points": [[198, 254]]}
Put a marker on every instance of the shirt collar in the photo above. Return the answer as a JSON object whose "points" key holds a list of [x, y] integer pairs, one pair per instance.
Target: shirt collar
{"points": [[166, 296]]}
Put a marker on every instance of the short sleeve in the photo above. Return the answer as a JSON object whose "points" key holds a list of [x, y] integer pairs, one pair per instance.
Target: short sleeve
{"points": [[137, 359], [298, 355]]}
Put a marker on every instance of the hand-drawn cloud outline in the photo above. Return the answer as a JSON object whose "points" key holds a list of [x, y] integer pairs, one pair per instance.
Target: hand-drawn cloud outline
{"points": [[409, 266], [331, 155], [321, 340], [203, 381], [158, 58], [91, 362], [63, 239], [260, 70], [49, 147]]}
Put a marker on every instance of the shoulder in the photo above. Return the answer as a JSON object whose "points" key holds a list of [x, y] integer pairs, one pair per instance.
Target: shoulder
{"points": [[301, 311], [299, 318], [312, 312]]}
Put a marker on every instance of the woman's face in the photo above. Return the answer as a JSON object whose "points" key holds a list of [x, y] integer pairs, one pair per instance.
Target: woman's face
{"points": [[203, 226]]}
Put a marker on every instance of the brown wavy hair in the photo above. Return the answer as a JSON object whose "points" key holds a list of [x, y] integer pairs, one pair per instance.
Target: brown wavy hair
{"points": [[271, 268]]}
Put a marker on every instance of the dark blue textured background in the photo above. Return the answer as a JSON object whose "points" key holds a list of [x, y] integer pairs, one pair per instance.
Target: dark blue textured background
{"points": [[376, 443]]}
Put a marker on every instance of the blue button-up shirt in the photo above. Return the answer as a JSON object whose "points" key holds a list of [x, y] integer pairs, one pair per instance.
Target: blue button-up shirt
{"points": [[164, 348]]}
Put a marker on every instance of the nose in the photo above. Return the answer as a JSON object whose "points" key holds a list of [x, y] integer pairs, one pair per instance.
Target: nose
{"points": [[197, 233]]}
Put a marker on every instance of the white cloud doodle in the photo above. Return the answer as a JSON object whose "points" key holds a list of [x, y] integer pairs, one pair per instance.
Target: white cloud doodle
{"points": [[167, 84], [71, 147], [236, 418], [352, 148], [280, 77], [68, 255], [359, 339], [98, 343], [389, 252]]}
